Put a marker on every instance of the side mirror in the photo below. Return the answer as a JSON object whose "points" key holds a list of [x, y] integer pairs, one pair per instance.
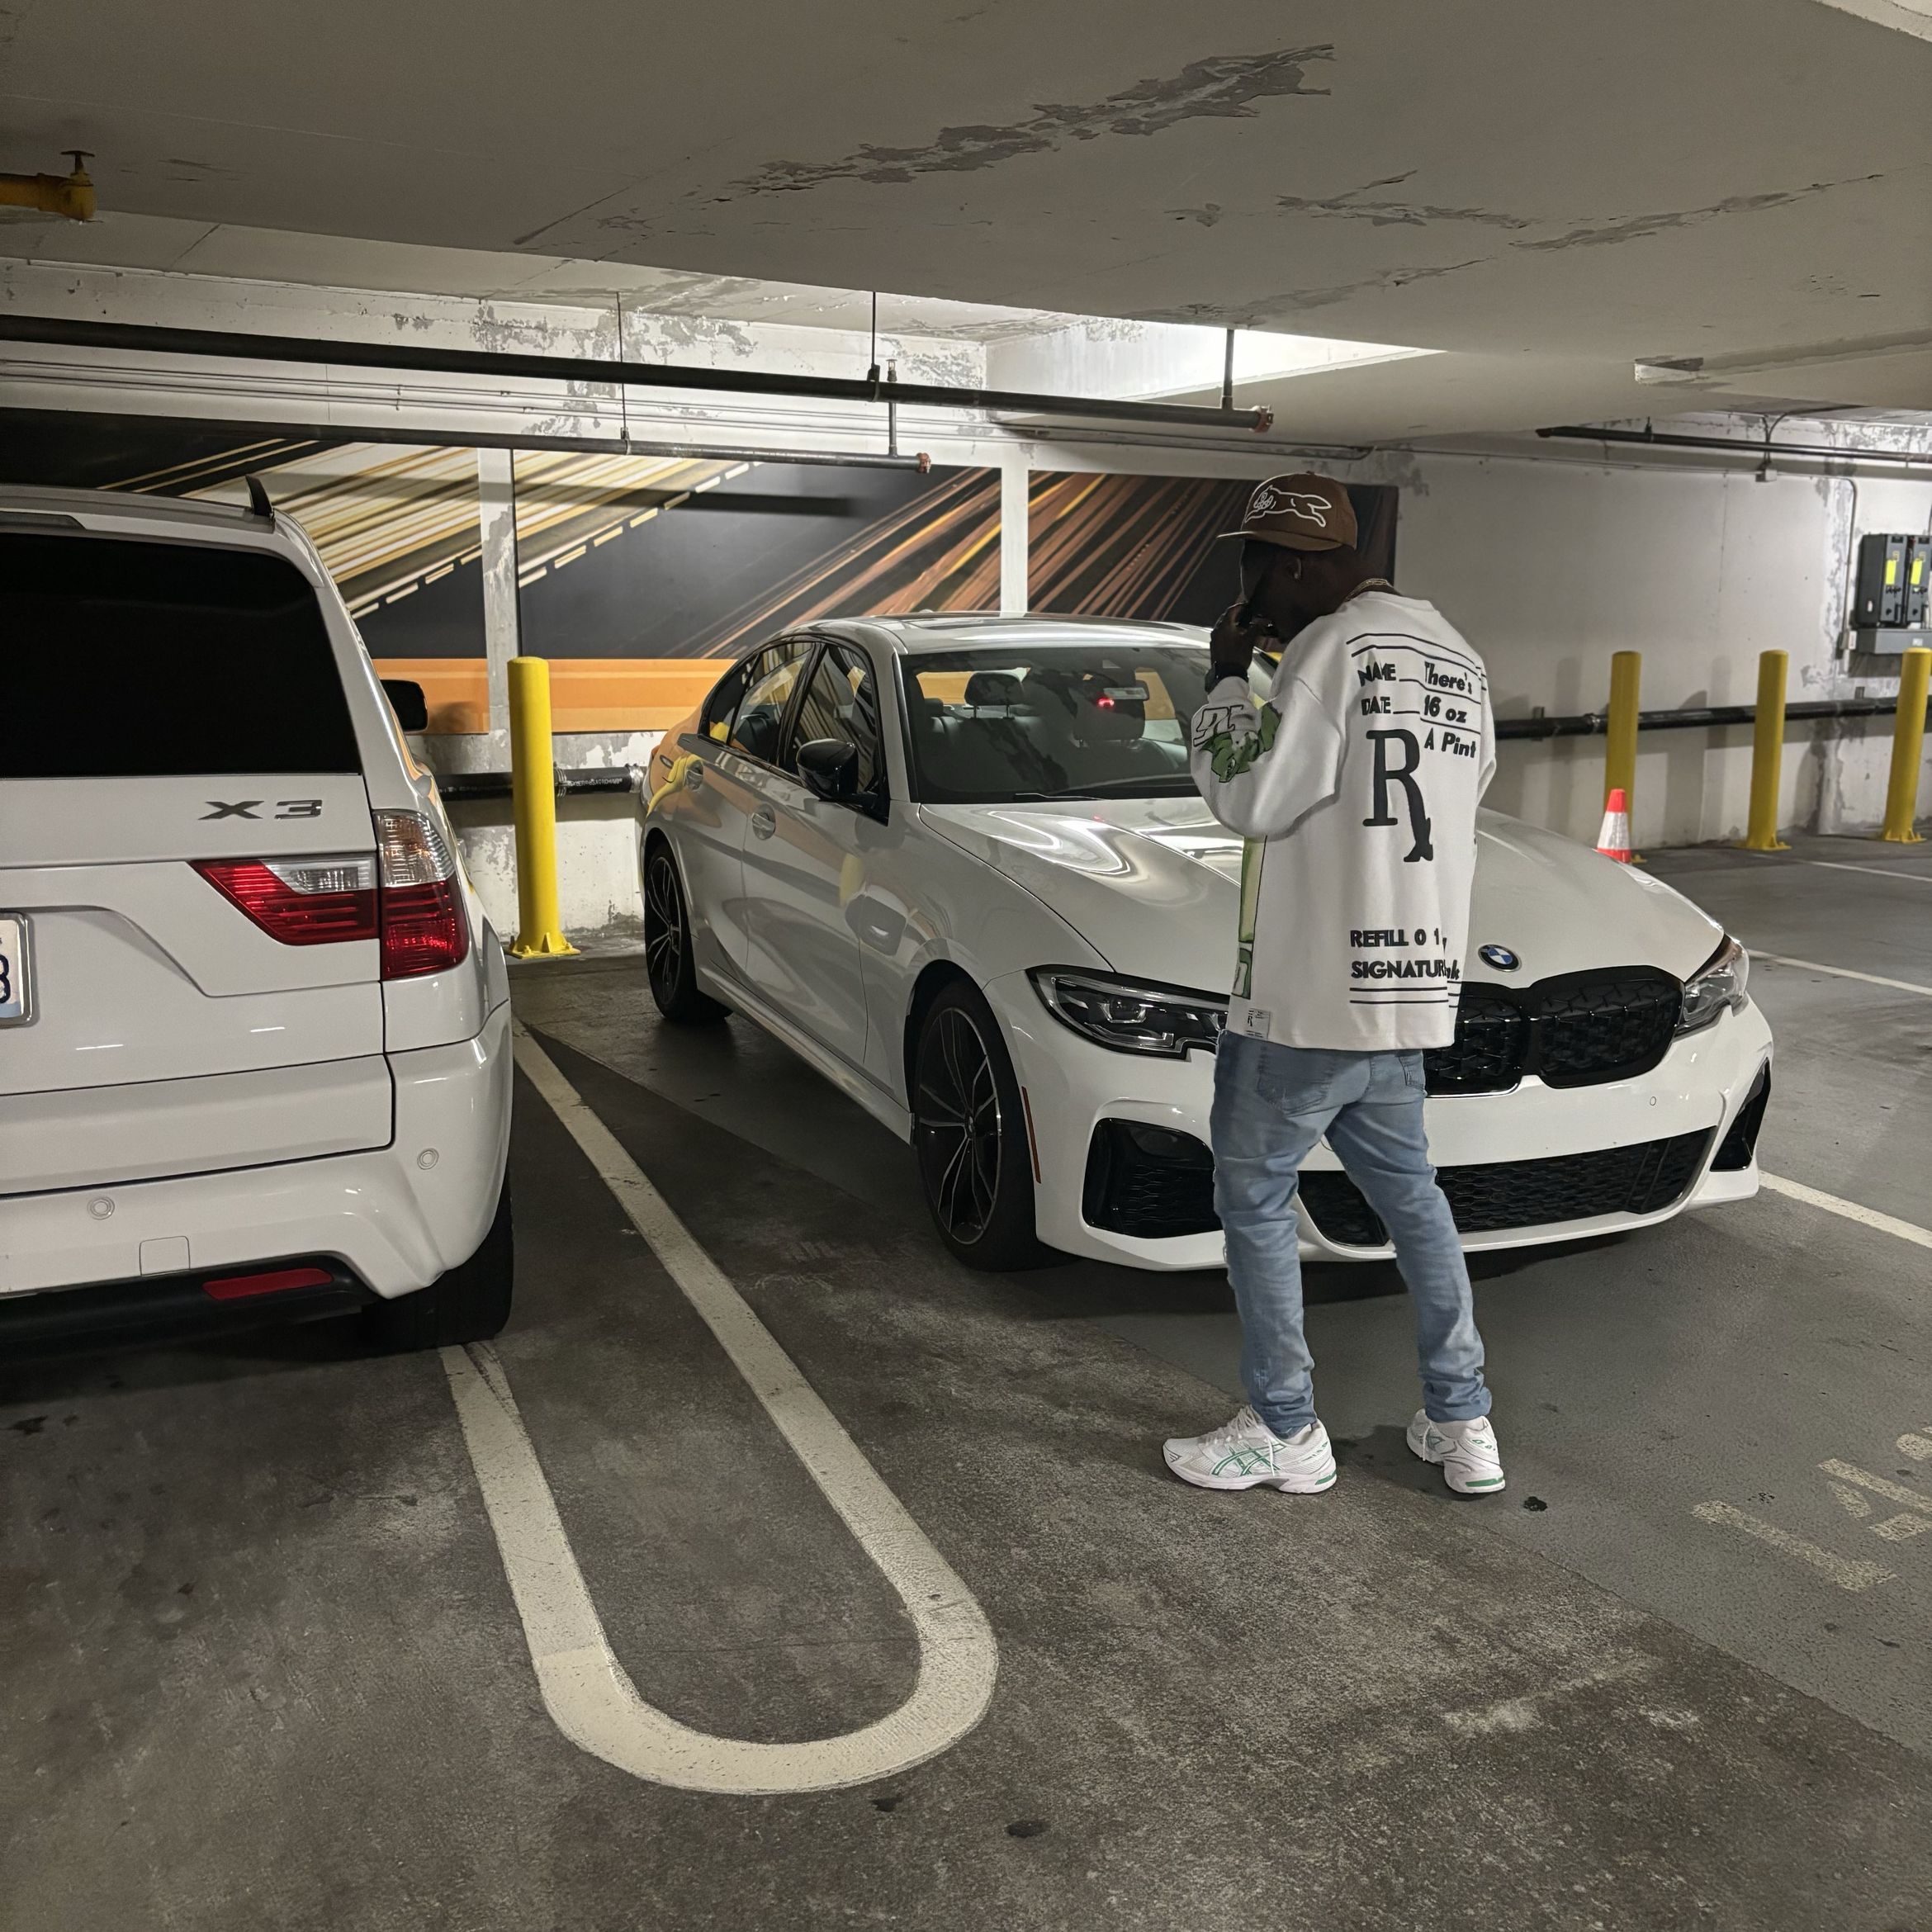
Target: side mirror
{"points": [[830, 767], [406, 700]]}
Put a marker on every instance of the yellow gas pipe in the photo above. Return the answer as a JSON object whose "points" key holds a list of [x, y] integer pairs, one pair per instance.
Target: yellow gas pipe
{"points": [[71, 195]]}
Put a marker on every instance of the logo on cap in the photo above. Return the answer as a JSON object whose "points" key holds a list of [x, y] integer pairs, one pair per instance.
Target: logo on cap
{"points": [[1311, 509]]}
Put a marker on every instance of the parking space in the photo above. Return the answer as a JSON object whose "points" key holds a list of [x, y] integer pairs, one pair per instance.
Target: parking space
{"points": [[267, 1667]]}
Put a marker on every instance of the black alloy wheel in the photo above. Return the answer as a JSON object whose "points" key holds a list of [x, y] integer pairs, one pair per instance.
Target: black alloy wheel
{"points": [[960, 1126], [667, 945], [969, 1132]]}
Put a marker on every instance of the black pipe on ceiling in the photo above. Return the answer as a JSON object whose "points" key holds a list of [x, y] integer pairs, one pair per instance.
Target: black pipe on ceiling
{"points": [[150, 338], [1733, 446]]}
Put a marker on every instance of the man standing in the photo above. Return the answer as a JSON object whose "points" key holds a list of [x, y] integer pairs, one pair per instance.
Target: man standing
{"points": [[1355, 785]]}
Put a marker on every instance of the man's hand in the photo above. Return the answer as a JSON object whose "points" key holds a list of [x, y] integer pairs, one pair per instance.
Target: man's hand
{"points": [[1231, 648]]}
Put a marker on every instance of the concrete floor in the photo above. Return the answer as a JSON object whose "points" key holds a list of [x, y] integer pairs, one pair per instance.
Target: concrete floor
{"points": [[263, 1667]]}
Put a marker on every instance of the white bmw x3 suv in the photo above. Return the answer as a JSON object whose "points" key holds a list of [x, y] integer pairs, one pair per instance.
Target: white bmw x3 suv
{"points": [[959, 864], [254, 1029]]}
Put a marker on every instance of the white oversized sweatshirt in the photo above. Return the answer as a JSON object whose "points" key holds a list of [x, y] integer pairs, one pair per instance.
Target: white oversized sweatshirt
{"points": [[1355, 786]]}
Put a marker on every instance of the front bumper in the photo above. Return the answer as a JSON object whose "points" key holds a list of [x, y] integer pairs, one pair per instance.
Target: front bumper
{"points": [[1071, 1085], [394, 1222]]}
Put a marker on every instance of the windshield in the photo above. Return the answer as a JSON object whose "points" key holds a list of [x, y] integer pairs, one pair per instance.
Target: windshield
{"points": [[1002, 725]]}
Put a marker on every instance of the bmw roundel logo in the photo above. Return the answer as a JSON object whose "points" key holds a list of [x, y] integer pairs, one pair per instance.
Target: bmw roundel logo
{"points": [[1500, 957]]}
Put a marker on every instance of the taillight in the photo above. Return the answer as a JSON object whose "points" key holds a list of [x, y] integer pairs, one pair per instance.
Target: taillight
{"points": [[424, 928], [303, 901], [407, 896]]}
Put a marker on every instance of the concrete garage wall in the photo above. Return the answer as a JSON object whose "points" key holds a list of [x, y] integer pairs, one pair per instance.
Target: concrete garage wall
{"points": [[598, 892], [1550, 567]]}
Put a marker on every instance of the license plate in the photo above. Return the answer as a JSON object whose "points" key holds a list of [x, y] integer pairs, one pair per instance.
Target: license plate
{"points": [[16, 1005]]}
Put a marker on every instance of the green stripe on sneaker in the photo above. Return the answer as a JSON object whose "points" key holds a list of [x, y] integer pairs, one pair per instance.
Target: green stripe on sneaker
{"points": [[1483, 1482]]}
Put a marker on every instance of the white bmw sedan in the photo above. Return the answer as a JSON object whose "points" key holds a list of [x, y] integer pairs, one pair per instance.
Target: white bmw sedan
{"points": [[958, 864]]}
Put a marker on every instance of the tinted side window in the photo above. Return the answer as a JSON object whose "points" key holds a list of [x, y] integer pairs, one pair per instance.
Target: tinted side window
{"points": [[130, 659], [762, 715], [842, 702], [721, 708]]}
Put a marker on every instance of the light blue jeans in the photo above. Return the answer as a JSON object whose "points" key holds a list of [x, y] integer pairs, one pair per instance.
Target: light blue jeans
{"points": [[1272, 1104]]}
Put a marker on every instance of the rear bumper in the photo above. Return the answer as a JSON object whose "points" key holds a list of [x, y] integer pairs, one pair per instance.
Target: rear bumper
{"points": [[162, 1308], [1072, 1086], [395, 1218]]}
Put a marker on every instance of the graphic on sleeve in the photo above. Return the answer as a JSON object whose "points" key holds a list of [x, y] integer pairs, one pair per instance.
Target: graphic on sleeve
{"points": [[1234, 736]]}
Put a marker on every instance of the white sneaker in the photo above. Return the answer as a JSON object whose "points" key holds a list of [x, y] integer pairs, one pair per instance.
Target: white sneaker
{"points": [[1245, 1451], [1472, 1464]]}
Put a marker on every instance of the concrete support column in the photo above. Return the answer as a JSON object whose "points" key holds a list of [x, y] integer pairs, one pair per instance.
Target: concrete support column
{"points": [[502, 637], [1013, 589]]}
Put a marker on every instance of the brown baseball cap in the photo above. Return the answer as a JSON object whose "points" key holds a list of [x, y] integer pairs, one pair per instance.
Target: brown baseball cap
{"points": [[1302, 512]]}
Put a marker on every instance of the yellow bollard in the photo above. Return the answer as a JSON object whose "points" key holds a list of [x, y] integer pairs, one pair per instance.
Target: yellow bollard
{"points": [[1620, 752], [534, 790], [1767, 756], [1908, 748], [1620, 755]]}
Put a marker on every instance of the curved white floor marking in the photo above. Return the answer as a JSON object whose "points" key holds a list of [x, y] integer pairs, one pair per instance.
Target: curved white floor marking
{"points": [[584, 1687]]}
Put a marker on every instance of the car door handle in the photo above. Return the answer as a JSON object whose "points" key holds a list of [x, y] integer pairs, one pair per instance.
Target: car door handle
{"points": [[694, 776], [764, 821]]}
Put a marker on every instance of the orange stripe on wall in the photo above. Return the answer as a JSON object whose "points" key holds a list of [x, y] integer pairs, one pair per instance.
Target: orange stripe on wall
{"points": [[586, 694]]}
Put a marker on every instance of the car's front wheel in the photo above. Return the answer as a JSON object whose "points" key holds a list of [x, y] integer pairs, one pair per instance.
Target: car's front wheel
{"points": [[969, 1132], [470, 1303], [667, 945]]}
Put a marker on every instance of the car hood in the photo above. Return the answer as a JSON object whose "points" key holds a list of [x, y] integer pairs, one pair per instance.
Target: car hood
{"points": [[1153, 885]]}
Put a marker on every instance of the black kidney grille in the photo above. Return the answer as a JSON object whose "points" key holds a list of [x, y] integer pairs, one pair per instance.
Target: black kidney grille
{"points": [[1640, 1180], [1572, 1030], [1492, 1041], [1592, 1027]]}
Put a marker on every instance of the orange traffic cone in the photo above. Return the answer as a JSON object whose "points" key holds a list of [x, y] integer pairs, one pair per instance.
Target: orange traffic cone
{"points": [[1614, 840]]}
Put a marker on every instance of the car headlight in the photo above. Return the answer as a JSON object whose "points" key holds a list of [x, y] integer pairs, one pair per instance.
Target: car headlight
{"points": [[1717, 986], [1129, 1016]]}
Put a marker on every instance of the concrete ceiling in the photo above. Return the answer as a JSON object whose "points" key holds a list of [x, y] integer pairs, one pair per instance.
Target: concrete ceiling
{"points": [[1552, 193]]}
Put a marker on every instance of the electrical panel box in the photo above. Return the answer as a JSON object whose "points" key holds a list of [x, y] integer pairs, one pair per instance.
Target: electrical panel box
{"points": [[1918, 568], [1878, 593]]}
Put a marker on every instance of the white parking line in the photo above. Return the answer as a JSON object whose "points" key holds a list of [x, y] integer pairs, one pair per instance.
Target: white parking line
{"points": [[1865, 1216], [1847, 1573], [1910, 986], [1877, 871], [584, 1689]]}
